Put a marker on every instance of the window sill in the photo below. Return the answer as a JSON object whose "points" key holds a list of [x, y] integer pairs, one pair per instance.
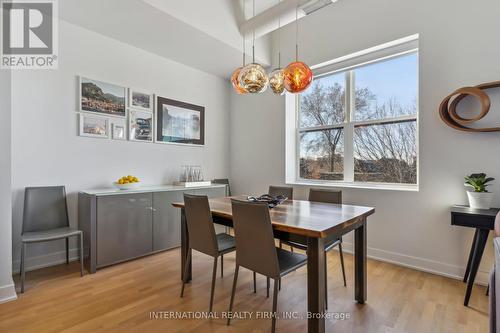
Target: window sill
{"points": [[370, 186]]}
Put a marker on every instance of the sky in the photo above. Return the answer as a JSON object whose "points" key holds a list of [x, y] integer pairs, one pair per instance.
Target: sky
{"points": [[396, 77]]}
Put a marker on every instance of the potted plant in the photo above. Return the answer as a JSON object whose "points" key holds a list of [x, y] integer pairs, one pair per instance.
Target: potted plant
{"points": [[479, 197]]}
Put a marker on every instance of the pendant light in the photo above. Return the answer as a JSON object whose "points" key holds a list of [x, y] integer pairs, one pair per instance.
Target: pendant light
{"points": [[253, 77], [235, 76], [297, 75], [277, 76]]}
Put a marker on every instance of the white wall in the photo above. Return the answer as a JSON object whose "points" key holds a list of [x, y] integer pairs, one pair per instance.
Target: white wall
{"points": [[46, 148], [458, 47], [7, 291]]}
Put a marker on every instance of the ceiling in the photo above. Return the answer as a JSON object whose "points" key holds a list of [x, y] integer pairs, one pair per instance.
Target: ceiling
{"points": [[197, 33]]}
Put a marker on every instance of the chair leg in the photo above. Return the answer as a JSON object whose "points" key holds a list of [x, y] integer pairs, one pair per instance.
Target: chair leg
{"points": [[67, 250], [233, 291], [268, 283], [281, 244], [184, 278], [23, 263], [326, 283], [279, 283], [342, 263], [254, 282], [81, 254], [291, 248], [488, 290], [222, 265], [275, 306], [214, 274]]}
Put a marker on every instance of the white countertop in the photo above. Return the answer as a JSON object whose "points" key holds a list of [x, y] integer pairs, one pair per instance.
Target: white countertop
{"points": [[145, 189]]}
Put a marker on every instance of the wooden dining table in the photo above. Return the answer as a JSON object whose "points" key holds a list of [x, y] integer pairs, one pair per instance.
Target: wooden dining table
{"points": [[313, 222]]}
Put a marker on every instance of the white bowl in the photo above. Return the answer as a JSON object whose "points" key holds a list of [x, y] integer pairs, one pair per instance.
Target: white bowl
{"points": [[129, 186]]}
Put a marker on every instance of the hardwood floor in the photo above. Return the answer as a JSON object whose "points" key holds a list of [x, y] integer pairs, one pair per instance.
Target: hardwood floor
{"points": [[120, 299]]}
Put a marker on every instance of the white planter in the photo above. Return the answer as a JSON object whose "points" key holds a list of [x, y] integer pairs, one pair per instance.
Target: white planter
{"points": [[480, 200]]}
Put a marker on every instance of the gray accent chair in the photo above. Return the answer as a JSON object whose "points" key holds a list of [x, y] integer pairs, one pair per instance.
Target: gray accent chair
{"points": [[45, 219], [494, 286]]}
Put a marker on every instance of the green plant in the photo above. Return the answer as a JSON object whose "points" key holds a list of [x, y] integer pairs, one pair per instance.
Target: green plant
{"points": [[478, 181]]}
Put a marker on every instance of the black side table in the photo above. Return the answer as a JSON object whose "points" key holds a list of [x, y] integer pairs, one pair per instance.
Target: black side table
{"points": [[483, 220]]}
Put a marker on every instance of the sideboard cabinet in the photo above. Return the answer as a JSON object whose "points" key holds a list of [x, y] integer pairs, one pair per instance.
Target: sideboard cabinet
{"points": [[123, 225]]}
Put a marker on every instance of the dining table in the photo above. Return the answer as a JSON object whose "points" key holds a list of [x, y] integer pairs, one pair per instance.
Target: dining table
{"points": [[313, 222]]}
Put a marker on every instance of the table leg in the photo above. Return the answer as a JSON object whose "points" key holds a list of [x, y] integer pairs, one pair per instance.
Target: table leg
{"points": [[471, 253], [315, 284], [476, 260], [360, 263], [185, 250]]}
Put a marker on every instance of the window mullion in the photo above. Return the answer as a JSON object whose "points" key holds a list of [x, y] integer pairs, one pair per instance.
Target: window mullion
{"points": [[349, 128]]}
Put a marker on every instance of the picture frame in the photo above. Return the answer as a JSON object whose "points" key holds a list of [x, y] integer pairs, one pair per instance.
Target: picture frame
{"points": [[141, 125], [101, 97], [118, 129], [140, 100], [179, 122], [93, 126]]}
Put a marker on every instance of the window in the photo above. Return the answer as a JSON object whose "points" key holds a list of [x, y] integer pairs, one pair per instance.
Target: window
{"points": [[358, 125]]}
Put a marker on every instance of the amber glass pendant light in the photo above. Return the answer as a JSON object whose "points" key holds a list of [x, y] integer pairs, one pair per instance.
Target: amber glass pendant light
{"points": [[253, 77], [235, 76], [297, 75], [277, 77]]}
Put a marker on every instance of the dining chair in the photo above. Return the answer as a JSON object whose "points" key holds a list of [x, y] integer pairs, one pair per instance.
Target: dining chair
{"points": [[202, 237], [252, 226], [45, 219], [223, 181], [281, 190], [325, 196]]}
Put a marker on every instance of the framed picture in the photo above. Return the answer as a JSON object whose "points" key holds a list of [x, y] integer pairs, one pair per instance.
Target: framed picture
{"points": [[140, 100], [140, 125], [179, 122], [94, 126], [101, 97], [118, 129]]}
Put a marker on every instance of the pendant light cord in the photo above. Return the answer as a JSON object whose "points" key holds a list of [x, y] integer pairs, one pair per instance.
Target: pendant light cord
{"points": [[279, 38], [244, 34], [297, 33], [253, 41]]}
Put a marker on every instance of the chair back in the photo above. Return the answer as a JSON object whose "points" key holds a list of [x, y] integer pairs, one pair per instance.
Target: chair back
{"points": [[45, 208], [223, 181], [200, 225], [255, 248], [281, 190], [326, 196], [497, 225]]}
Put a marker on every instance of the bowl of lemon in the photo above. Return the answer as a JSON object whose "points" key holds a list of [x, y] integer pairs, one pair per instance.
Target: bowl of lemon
{"points": [[128, 183]]}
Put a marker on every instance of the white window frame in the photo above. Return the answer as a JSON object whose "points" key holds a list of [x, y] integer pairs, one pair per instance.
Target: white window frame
{"points": [[347, 64]]}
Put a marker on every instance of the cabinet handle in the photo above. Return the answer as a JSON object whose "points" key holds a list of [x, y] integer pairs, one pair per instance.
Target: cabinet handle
{"points": [[151, 208]]}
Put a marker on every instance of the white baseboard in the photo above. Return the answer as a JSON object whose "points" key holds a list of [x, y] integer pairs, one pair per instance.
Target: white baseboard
{"points": [[46, 260], [8, 293], [420, 264]]}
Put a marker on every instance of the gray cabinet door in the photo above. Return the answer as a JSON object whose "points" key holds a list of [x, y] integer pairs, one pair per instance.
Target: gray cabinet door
{"points": [[167, 220], [124, 227]]}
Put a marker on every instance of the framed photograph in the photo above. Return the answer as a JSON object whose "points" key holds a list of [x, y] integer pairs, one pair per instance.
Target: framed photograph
{"points": [[179, 122], [140, 100], [118, 129], [140, 125], [101, 97], [94, 126]]}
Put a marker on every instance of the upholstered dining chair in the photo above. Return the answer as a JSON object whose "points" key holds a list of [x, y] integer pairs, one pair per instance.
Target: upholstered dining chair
{"points": [[223, 181], [325, 196], [252, 225], [202, 237], [281, 190], [45, 219]]}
